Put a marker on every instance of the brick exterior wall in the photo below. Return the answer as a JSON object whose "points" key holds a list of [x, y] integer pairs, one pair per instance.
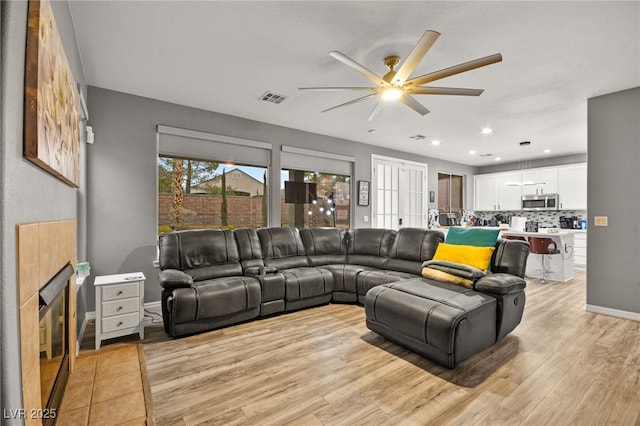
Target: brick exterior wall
{"points": [[203, 211]]}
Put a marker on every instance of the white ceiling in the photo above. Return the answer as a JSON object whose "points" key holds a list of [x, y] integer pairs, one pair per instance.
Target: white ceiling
{"points": [[222, 56]]}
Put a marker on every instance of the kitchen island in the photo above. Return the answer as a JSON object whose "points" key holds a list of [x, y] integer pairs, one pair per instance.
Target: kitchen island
{"points": [[560, 264]]}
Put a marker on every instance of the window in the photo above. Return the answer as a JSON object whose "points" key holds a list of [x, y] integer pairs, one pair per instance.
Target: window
{"points": [[197, 193], [450, 193], [312, 199]]}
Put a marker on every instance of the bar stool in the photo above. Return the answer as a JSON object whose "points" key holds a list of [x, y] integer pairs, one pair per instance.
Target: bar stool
{"points": [[543, 246]]}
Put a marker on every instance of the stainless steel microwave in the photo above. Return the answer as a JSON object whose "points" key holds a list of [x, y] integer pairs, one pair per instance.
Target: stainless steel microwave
{"points": [[540, 202]]}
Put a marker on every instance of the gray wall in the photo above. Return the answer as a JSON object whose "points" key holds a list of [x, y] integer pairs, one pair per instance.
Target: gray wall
{"points": [[28, 193], [122, 167], [613, 270], [538, 162]]}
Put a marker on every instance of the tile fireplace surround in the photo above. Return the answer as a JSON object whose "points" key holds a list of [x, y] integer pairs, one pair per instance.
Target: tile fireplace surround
{"points": [[43, 249]]}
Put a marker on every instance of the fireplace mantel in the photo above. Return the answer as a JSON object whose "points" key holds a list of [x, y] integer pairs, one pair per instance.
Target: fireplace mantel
{"points": [[43, 249]]}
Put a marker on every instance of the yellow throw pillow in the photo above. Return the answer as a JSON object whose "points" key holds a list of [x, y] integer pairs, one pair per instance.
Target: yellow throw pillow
{"points": [[478, 257]]}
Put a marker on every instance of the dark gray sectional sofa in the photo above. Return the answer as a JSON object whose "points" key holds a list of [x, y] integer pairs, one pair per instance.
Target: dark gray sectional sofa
{"points": [[214, 278]]}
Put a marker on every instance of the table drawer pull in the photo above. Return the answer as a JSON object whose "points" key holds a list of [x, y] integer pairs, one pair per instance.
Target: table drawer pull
{"points": [[120, 306], [120, 291], [120, 322]]}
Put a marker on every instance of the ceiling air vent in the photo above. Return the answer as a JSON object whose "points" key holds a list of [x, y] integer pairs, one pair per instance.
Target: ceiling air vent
{"points": [[485, 155], [417, 137], [272, 97]]}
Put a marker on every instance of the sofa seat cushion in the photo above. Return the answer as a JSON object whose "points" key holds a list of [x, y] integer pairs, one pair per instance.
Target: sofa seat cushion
{"points": [[366, 280], [455, 321], [215, 298], [303, 283]]}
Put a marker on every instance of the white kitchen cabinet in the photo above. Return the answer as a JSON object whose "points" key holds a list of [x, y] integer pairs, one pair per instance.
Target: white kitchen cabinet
{"points": [[580, 249], [572, 186], [485, 193], [497, 191], [509, 191], [540, 181]]}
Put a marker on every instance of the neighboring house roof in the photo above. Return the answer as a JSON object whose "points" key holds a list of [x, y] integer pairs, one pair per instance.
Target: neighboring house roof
{"points": [[236, 179]]}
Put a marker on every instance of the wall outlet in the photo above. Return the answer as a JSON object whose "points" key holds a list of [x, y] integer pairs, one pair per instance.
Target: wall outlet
{"points": [[601, 220]]}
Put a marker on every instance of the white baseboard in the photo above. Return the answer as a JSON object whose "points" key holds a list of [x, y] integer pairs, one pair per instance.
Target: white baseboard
{"points": [[635, 316]]}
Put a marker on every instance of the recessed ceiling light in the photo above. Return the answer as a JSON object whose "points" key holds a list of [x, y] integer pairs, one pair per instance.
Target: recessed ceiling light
{"points": [[487, 131], [472, 152], [546, 151], [498, 158], [435, 142]]}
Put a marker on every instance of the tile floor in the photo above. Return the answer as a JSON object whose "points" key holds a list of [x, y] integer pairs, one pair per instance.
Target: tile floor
{"points": [[105, 388]]}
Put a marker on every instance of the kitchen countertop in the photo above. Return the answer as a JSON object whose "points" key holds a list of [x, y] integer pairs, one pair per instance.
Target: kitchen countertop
{"points": [[543, 231]]}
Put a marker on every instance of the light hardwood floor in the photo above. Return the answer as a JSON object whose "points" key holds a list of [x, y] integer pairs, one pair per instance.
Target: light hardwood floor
{"points": [[322, 366]]}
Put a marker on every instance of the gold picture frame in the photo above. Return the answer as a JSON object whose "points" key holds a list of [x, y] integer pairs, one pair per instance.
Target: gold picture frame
{"points": [[51, 132]]}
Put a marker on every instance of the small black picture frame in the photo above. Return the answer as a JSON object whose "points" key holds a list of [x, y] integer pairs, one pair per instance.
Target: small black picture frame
{"points": [[363, 193]]}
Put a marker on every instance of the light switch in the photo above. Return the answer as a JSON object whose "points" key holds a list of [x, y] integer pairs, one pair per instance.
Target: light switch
{"points": [[601, 220], [365, 219]]}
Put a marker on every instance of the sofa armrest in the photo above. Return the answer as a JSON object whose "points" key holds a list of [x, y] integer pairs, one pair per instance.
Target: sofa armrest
{"points": [[499, 283], [173, 278], [260, 270]]}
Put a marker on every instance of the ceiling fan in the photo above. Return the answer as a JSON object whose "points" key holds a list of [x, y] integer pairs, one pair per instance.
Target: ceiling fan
{"points": [[395, 85]]}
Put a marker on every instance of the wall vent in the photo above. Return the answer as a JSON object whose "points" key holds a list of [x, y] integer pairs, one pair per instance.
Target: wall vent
{"points": [[485, 155], [272, 97], [417, 137]]}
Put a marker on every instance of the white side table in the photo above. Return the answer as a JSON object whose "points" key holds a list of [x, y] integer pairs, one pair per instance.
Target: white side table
{"points": [[119, 306]]}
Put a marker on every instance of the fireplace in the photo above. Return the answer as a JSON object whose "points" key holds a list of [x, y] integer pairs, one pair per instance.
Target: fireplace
{"points": [[54, 339], [46, 257]]}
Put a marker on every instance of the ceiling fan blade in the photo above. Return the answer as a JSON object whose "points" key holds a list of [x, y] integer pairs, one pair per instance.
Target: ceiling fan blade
{"points": [[419, 50], [361, 69], [376, 110], [413, 104], [456, 69], [371, 89], [351, 102], [421, 90]]}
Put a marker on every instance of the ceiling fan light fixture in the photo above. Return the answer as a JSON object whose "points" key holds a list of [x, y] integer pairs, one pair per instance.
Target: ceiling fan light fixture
{"points": [[392, 94]]}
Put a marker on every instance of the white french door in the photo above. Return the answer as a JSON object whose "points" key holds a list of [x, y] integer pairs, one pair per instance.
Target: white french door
{"points": [[399, 191]]}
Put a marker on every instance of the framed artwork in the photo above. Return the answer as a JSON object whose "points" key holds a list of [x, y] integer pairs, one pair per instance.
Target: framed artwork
{"points": [[363, 193], [51, 135]]}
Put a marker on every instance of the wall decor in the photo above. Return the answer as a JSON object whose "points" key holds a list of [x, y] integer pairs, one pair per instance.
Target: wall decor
{"points": [[363, 193], [51, 132]]}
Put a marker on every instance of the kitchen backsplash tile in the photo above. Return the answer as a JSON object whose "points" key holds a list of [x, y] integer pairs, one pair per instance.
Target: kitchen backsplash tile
{"points": [[545, 219]]}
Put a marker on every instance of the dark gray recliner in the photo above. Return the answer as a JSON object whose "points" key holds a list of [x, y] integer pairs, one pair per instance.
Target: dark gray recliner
{"points": [[203, 285], [283, 250]]}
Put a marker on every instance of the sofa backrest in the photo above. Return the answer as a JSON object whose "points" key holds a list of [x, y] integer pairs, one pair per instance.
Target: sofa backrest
{"points": [[202, 253], [282, 247], [411, 247], [249, 248], [369, 246], [510, 257], [325, 246]]}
